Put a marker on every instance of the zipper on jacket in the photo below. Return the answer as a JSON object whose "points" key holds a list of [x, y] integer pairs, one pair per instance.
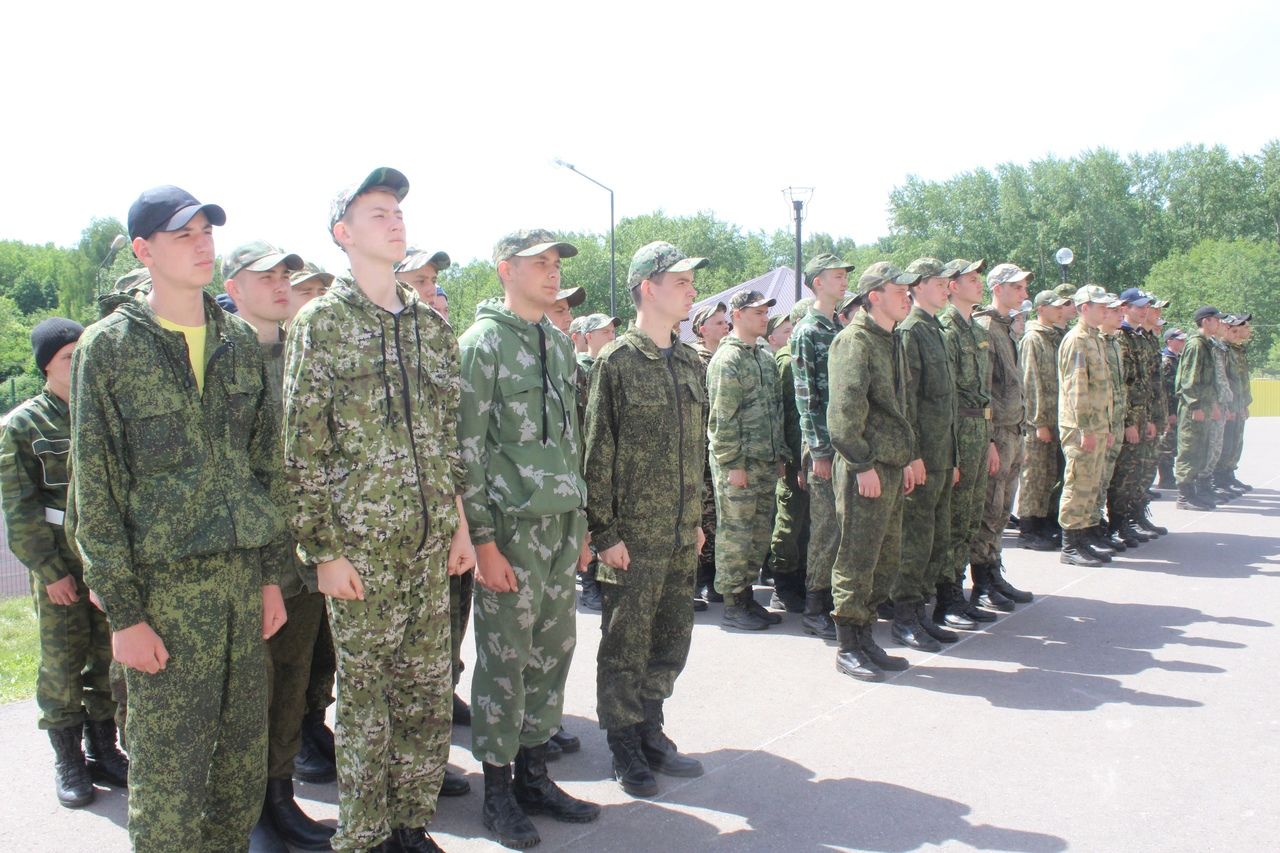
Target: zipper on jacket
{"points": [[408, 422], [675, 382], [225, 347]]}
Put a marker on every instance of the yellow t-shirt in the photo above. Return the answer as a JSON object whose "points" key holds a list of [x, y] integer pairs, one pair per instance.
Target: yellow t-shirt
{"points": [[195, 347]]}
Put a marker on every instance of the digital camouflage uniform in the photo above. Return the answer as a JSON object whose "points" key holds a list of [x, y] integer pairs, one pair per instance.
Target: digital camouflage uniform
{"points": [[1197, 392], [177, 498], [790, 542], [744, 430], [645, 454], [810, 344], [707, 559], [1242, 398], [1126, 493], [73, 682], [1084, 407], [1168, 434], [1119, 405], [1007, 415], [1041, 475], [868, 427], [1222, 387], [525, 492], [931, 412], [967, 349], [371, 403]]}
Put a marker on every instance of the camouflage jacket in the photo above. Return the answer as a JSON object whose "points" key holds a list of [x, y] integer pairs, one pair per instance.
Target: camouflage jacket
{"points": [[1159, 396], [1119, 391], [518, 428], [810, 342], [1084, 381], [931, 391], [1169, 378], [582, 382], [867, 416], [790, 411], [1038, 356], [163, 472], [1196, 388], [745, 422], [646, 450], [1005, 388], [370, 421], [1240, 361], [969, 351], [1221, 381], [1139, 382], [704, 354], [295, 576], [35, 446]]}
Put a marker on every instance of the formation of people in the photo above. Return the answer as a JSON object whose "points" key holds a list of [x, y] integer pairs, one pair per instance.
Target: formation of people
{"points": [[230, 506]]}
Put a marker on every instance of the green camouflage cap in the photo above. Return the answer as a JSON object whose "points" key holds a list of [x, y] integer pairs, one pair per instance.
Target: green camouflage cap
{"points": [[574, 296], [1066, 290], [849, 300], [575, 325], [705, 313], [800, 309], [1049, 298], [136, 279], [258, 256], [961, 266], [596, 322], [658, 257], [879, 274], [778, 319], [383, 176], [530, 242], [308, 272], [749, 299], [416, 259], [825, 261], [1097, 295], [1008, 274], [928, 268]]}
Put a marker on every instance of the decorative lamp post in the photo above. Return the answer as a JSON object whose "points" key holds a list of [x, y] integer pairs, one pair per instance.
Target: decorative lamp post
{"points": [[798, 196], [1064, 257], [613, 278]]}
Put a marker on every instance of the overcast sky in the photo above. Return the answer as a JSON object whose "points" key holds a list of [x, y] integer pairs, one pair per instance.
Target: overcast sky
{"points": [[680, 106]]}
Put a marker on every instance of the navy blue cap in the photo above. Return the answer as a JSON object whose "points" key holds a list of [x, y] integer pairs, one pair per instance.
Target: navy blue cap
{"points": [[228, 304], [168, 208], [1135, 297]]}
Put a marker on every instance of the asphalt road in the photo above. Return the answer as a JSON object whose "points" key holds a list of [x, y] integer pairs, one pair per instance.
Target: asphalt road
{"points": [[1132, 707]]}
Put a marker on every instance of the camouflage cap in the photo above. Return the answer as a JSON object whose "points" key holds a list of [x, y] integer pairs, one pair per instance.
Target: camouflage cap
{"points": [[881, 273], [383, 176], [1095, 294], [416, 259], [705, 313], [1049, 299], [929, 268], [308, 272], [1156, 302], [961, 266], [825, 261], [136, 279], [1008, 274], [530, 242], [849, 300], [778, 319], [1066, 290], [800, 309], [574, 296], [749, 299], [1174, 333], [258, 256], [659, 257], [575, 325], [1024, 308], [596, 322]]}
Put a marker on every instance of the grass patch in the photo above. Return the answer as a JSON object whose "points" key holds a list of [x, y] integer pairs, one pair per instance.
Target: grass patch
{"points": [[19, 649]]}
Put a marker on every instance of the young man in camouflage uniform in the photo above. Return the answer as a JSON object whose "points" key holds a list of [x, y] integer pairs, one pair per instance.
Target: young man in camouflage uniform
{"points": [[710, 324], [171, 413], [1127, 493], [73, 683], [371, 399], [1225, 388], [1104, 542], [874, 445], [646, 424], [595, 331], [524, 500], [1197, 410], [1042, 450], [1150, 459], [1174, 340], [828, 277], [788, 548], [931, 411], [1238, 332], [1008, 284], [748, 450], [561, 311], [421, 270]]}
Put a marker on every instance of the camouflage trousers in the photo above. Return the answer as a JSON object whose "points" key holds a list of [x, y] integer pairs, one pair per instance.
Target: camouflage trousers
{"points": [[73, 683], [1168, 446], [645, 629], [1192, 461], [1232, 446], [744, 525], [986, 545], [1108, 473], [197, 730], [1126, 492], [525, 639], [870, 550], [926, 531], [1217, 432], [394, 716], [790, 538], [707, 557], [1081, 480], [461, 590], [824, 533], [969, 495], [324, 669], [289, 653], [1041, 476]]}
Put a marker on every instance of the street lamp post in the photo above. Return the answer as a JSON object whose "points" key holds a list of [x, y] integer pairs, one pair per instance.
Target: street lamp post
{"points": [[116, 245], [1064, 257], [798, 196], [613, 278]]}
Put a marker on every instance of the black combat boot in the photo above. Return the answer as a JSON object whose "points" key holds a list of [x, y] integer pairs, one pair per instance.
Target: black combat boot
{"points": [[566, 742], [414, 840], [1114, 530], [933, 629], [106, 762], [1052, 530], [72, 782], [1076, 550], [850, 658], [738, 615], [998, 582], [592, 598], [1129, 529], [659, 750], [1100, 544], [537, 794], [1031, 534], [315, 761], [749, 598], [1204, 486], [1220, 487], [630, 767], [949, 610], [983, 593], [788, 592], [908, 631], [877, 655], [1167, 480], [454, 784], [1244, 488], [461, 711], [264, 838], [293, 825], [816, 619], [501, 814], [1189, 498], [1144, 522]]}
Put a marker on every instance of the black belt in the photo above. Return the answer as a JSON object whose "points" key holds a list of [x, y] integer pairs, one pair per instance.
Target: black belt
{"points": [[985, 414]]}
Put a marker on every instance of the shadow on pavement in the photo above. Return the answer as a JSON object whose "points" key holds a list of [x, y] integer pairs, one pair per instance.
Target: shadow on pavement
{"points": [[1204, 554], [111, 803], [1032, 689]]}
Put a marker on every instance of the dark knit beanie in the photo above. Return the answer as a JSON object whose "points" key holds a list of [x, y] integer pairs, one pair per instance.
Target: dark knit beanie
{"points": [[51, 335]]}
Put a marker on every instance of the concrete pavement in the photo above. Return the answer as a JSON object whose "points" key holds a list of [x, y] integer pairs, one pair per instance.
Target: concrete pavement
{"points": [[1132, 707]]}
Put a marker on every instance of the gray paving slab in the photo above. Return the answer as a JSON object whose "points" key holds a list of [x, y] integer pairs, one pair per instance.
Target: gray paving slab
{"points": [[1132, 707]]}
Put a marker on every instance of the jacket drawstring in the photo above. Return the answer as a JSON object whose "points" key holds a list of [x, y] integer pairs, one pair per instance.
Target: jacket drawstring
{"points": [[417, 342], [386, 385], [542, 361]]}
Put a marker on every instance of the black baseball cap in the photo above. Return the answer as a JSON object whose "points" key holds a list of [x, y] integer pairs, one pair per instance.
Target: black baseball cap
{"points": [[1205, 312], [168, 208]]}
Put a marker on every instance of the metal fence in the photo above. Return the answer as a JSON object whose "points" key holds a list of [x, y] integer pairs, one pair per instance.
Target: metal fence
{"points": [[14, 578]]}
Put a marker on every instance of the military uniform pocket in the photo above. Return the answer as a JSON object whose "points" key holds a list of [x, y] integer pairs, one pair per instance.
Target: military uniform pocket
{"points": [[53, 454], [156, 434], [244, 395], [520, 417]]}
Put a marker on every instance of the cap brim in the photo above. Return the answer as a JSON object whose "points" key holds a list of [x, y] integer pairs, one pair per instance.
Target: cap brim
{"points": [[215, 214], [292, 262], [759, 303], [909, 278], [326, 277], [384, 176], [688, 264], [418, 260], [1023, 275], [574, 296], [566, 250]]}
